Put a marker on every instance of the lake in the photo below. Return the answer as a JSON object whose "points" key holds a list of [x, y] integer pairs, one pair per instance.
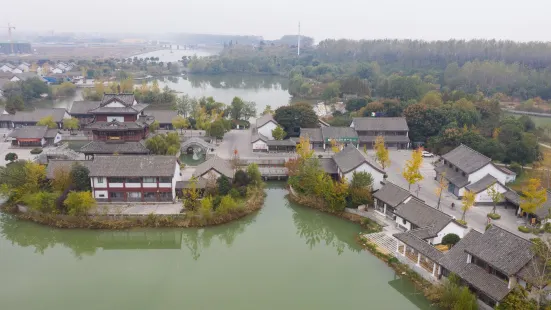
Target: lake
{"points": [[283, 257]]}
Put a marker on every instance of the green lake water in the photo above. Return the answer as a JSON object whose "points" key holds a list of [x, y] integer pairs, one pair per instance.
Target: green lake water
{"points": [[283, 257]]}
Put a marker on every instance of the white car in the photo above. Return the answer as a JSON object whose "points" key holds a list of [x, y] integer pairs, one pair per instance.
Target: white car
{"points": [[427, 154]]}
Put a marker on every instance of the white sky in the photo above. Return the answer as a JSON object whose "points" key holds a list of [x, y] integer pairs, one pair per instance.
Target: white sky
{"points": [[357, 19]]}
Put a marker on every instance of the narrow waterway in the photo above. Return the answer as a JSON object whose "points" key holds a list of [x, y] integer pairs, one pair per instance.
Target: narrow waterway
{"points": [[283, 257]]}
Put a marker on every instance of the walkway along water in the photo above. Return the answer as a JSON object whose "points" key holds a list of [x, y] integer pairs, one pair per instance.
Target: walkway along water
{"points": [[283, 257]]}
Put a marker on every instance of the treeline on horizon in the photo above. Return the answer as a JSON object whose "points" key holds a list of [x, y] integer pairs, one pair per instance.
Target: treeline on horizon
{"points": [[514, 68]]}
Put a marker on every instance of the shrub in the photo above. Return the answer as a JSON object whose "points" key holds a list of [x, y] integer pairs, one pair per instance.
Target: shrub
{"points": [[488, 226], [10, 157], [547, 227], [524, 229], [462, 222], [224, 185], [234, 193], [371, 226], [450, 239], [182, 166], [242, 191], [494, 216], [516, 168], [79, 203], [36, 150], [241, 178], [227, 205]]}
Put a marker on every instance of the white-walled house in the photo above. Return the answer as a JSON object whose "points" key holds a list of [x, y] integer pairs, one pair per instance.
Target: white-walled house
{"points": [[265, 124], [24, 67], [351, 160], [56, 70], [259, 143], [213, 168], [430, 224], [465, 168], [388, 198], [138, 178], [482, 187], [7, 67]]}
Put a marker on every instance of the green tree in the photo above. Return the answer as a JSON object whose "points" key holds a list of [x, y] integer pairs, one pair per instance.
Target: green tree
{"points": [[227, 205], [217, 129], [47, 121], [205, 208], [62, 180], [267, 110], [70, 123], [330, 91], [154, 126], [80, 175], [496, 196], [517, 299], [361, 179], [451, 295], [163, 144], [254, 174], [450, 239], [11, 157], [191, 196], [293, 117], [278, 133], [41, 201], [79, 203], [240, 109], [224, 185], [180, 123]]}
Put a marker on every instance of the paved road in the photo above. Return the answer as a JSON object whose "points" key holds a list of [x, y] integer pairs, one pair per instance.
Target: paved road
{"points": [[235, 139], [426, 190]]}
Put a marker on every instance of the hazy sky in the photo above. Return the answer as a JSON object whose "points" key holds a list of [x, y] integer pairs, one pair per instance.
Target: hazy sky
{"points": [[423, 19]]}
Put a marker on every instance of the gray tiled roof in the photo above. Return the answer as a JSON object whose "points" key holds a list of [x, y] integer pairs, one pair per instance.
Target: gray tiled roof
{"points": [[424, 233], [29, 132], [338, 132], [67, 165], [36, 115], [51, 133], [222, 166], [482, 280], [392, 194], [328, 165], [466, 159], [544, 210], [482, 184], [501, 249], [512, 197], [27, 75], [114, 125], [454, 177], [199, 183], [162, 116], [314, 134], [109, 110], [126, 99], [380, 123], [423, 215], [264, 119], [103, 147], [456, 258], [82, 107], [286, 142], [133, 166], [258, 136], [420, 245], [388, 139], [350, 158], [6, 117]]}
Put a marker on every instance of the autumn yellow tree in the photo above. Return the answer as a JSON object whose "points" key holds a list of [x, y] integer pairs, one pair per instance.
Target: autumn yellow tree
{"points": [[533, 196], [495, 195], [180, 123], [304, 150], [47, 121], [442, 186], [381, 152], [411, 171], [62, 179], [467, 202], [336, 146]]}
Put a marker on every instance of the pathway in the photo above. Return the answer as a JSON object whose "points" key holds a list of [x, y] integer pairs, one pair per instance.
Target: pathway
{"points": [[383, 241]]}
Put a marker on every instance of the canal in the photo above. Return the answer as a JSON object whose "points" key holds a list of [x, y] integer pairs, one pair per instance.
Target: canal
{"points": [[283, 257]]}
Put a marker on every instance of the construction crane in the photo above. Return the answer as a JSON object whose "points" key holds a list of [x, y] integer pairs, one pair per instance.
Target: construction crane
{"points": [[10, 27]]}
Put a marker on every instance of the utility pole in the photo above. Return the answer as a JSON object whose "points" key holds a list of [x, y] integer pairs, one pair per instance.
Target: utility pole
{"points": [[298, 43]]}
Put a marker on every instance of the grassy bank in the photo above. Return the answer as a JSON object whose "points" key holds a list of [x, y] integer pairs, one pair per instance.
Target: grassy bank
{"points": [[251, 204]]}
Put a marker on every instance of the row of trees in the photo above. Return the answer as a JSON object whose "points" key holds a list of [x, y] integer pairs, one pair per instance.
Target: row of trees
{"points": [[68, 192]]}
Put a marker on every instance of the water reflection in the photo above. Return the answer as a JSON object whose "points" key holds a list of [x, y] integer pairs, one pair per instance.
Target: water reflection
{"points": [[86, 242], [318, 227], [406, 289]]}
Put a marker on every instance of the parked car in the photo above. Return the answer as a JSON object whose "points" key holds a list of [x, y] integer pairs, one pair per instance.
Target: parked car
{"points": [[427, 154]]}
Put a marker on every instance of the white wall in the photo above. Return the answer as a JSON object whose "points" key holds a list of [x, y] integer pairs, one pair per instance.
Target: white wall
{"points": [[132, 185], [5, 68], [260, 145], [488, 169], [175, 179], [115, 104], [116, 185], [15, 79], [17, 70], [451, 228], [400, 222], [207, 175], [43, 142], [97, 194], [266, 130], [57, 138], [484, 196], [115, 118], [377, 176], [95, 183]]}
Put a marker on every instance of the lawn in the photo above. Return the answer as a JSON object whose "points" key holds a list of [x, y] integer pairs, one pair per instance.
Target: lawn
{"points": [[543, 173], [538, 120]]}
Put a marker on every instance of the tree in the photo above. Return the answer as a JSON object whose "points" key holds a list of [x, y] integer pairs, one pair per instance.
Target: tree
{"points": [[79, 203], [11, 157], [539, 270], [304, 150], [254, 174], [163, 144], [278, 133], [360, 189], [240, 109], [533, 196], [381, 152], [467, 202], [293, 117], [180, 123], [517, 299], [70, 123], [450, 239], [41, 201], [267, 110], [227, 205], [205, 208], [183, 105], [331, 90], [191, 196], [451, 295], [411, 171], [154, 126], [217, 129], [47, 121], [241, 178], [496, 196], [224, 185], [361, 179], [80, 175], [62, 179], [336, 146], [442, 186]]}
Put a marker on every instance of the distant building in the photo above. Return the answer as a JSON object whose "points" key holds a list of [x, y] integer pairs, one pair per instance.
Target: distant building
{"points": [[214, 168], [34, 136], [351, 160], [393, 129], [7, 67], [30, 118]]}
